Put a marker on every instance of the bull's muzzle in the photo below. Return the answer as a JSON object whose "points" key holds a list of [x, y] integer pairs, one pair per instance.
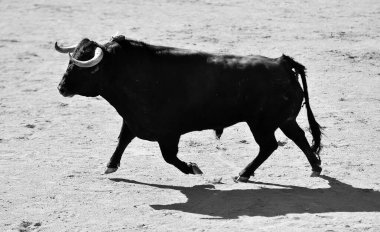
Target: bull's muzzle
{"points": [[64, 91]]}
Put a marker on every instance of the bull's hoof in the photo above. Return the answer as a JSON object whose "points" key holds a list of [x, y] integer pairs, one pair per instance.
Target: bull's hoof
{"points": [[316, 171], [218, 133], [110, 170], [242, 179], [195, 169], [315, 174]]}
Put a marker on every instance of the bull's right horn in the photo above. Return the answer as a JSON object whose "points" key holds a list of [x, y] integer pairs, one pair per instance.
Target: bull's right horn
{"points": [[64, 49], [98, 56]]}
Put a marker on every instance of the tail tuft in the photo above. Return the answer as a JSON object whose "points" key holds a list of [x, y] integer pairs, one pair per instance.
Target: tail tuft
{"points": [[315, 128]]}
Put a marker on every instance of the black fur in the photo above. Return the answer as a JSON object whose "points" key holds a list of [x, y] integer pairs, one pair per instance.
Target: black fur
{"points": [[315, 128], [164, 92]]}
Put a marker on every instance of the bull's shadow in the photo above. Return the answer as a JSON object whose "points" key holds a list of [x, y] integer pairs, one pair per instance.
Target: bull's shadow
{"points": [[229, 204]]}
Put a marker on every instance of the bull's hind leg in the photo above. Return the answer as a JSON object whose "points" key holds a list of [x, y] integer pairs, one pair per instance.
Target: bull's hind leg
{"points": [[125, 138], [268, 144], [169, 150], [292, 130]]}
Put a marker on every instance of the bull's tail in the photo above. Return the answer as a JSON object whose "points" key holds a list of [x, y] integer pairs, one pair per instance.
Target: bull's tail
{"points": [[315, 128]]}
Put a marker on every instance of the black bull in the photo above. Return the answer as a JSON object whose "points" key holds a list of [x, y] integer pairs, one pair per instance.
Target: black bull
{"points": [[162, 93]]}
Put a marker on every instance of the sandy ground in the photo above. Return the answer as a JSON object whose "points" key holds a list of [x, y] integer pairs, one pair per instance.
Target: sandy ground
{"points": [[53, 150]]}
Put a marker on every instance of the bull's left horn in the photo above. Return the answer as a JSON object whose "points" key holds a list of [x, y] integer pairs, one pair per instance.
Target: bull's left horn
{"points": [[89, 63], [64, 49]]}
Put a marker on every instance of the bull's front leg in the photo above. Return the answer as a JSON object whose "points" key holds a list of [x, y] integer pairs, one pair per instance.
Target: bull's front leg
{"points": [[125, 138], [169, 150]]}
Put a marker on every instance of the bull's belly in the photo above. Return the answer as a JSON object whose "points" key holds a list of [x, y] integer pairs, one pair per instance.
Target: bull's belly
{"points": [[153, 128], [175, 121], [216, 119]]}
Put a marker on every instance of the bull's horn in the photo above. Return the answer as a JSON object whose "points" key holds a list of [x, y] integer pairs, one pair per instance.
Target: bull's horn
{"points": [[64, 49], [89, 63]]}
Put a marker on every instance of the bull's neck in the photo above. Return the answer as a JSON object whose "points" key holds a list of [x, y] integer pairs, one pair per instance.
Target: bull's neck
{"points": [[116, 97], [124, 85]]}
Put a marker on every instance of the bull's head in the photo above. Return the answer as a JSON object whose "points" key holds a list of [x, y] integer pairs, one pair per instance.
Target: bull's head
{"points": [[83, 74]]}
